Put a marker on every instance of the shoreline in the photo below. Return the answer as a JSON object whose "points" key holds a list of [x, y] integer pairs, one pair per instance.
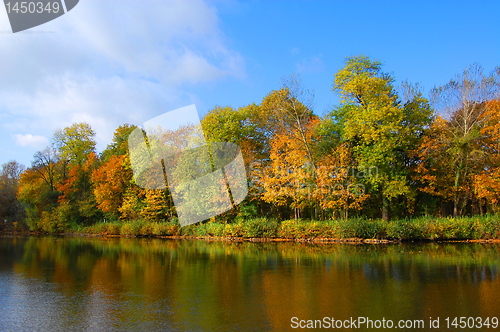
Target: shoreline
{"points": [[485, 229], [357, 241]]}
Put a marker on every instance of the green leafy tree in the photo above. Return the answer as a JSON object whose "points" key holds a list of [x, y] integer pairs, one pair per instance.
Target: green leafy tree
{"points": [[75, 142], [381, 127], [119, 144], [225, 124]]}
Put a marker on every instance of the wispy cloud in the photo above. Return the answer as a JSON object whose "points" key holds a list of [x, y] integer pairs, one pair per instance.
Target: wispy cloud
{"points": [[34, 141], [109, 63]]}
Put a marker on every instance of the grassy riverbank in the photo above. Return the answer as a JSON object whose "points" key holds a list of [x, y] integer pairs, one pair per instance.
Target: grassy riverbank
{"points": [[425, 228], [466, 228]]}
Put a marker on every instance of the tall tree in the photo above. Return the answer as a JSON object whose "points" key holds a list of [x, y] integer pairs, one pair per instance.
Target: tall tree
{"points": [[380, 127], [225, 124], [119, 144], [110, 181], [113, 175], [338, 186], [10, 174], [290, 113], [155, 205], [289, 179], [75, 142], [433, 173], [46, 164], [38, 185], [487, 181], [463, 99], [77, 199]]}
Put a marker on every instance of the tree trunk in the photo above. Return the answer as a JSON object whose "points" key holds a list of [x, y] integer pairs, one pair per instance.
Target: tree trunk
{"points": [[385, 208], [297, 213], [456, 198], [455, 206]]}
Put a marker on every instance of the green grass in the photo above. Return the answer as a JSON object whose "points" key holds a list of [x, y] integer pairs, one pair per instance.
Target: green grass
{"points": [[424, 228]]}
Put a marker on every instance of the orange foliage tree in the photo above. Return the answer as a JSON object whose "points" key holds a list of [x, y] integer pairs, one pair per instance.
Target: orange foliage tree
{"points": [[435, 171], [487, 182], [77, 201], [110, 181]]}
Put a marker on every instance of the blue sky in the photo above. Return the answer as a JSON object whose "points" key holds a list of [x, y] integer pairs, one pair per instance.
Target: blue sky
{"points": [[123, 61]]}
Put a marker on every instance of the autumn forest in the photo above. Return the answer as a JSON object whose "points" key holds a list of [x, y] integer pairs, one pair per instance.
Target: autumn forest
{"points": [[386, 152]]}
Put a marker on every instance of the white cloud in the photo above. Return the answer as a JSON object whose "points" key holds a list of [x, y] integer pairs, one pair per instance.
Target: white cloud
{"points": [[35, 141], [103, 103], [109, 63]]}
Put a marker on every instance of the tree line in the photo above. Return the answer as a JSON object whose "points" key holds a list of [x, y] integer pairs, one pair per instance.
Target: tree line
{"points": [[386, 151]]}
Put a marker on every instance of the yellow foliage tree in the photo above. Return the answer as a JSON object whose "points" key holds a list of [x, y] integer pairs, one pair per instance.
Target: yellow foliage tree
{"points": [[155, 205], [338, 186], [290, 178], [130, 208]]}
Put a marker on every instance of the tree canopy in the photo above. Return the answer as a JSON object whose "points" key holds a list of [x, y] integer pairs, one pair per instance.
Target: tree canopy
{"points": [[385, 151]]}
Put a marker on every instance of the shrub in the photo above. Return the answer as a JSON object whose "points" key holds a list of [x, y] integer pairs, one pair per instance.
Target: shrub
{"points": [[131, 228], [363, 228], [488, 228], [164, 229], [404, 230], [51, 223], [234, 230], [189, 230], [215, 229], [291, 229], [260, 227], [112, 228], [147, 228], [323, 229]]}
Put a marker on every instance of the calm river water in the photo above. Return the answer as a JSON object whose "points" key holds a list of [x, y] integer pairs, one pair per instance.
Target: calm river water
{"points": [[75, 284]]}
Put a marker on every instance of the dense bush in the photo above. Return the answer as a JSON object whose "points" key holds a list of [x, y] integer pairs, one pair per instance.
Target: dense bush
{"points": [[260, 227], [131, 228]]}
